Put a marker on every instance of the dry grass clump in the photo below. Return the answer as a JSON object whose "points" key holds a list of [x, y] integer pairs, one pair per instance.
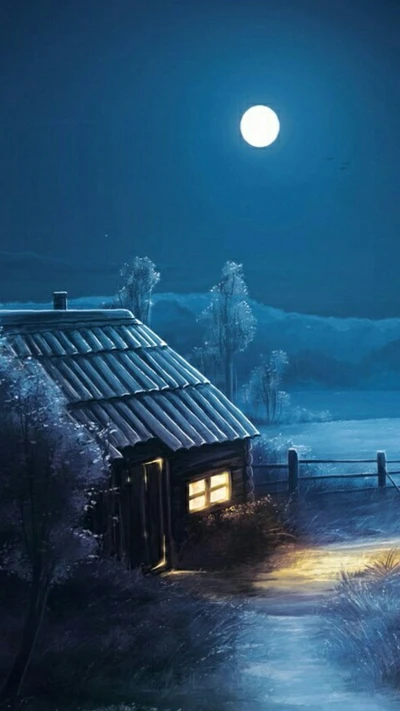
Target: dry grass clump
{"points": [[111, 636], [363, 621]]}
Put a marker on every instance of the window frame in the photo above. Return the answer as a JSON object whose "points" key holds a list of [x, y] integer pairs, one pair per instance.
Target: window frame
{"points": [[207, 476]]}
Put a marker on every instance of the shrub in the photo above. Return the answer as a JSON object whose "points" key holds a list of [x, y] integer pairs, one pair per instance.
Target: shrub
{"points": [[274, 450], [232, 536], [267, 450], [263, 391], [117, 637], [266, 402], [48, 469], [363, 621], [302, 414]]}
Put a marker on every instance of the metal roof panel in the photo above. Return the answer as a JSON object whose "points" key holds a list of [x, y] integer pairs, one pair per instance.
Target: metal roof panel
{"points": [[116, 370]]}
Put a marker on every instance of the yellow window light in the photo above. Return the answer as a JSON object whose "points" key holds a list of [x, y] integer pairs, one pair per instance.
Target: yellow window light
{"points": [[219, 480], [197, 487], [197, 503], [207, 492], [221, 494]]}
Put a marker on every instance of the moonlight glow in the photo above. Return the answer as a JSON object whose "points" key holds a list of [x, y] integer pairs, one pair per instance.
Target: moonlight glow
{"points": [[259, 126]]}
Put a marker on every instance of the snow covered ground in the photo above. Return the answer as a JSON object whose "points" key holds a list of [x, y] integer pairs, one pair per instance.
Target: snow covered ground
{"points": [[299, 673], [285, 662], [350, 404], [343, 439], [363, 422]]}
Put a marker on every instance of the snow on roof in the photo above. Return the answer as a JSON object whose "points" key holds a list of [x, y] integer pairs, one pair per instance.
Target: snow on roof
{"points": [[115, 370], [27, 319]]}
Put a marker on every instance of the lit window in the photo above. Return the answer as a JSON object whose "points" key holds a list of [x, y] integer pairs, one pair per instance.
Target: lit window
{"points": [[220, 480], [207, 492], [221, 494], [197, 503], [197, 487]]}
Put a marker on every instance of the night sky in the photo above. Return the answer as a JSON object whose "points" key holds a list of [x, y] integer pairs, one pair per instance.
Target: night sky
{"points": [[119, 136]]}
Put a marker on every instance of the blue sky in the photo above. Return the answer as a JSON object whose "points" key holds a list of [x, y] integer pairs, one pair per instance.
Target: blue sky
{"points": [[119, 136]]}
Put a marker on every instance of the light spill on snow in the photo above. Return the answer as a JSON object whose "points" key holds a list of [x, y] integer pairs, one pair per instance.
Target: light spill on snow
{"points": [[309, 570], [297, 669], [284, 661]]}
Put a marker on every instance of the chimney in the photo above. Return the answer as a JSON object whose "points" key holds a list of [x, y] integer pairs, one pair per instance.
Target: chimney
{"points": [[60, 300]]}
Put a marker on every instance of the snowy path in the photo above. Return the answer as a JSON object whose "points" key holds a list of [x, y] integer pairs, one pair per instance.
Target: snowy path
{"points": [[285, 660], [299, 677], [298, 672]]}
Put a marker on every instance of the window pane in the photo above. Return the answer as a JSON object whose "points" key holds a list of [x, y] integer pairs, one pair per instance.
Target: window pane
{"points": [[221, 494], [197, 487], [219, 480], [197, 503]]}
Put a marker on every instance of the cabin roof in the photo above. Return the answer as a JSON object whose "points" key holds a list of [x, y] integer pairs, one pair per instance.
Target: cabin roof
{"points": [[116, 371]]}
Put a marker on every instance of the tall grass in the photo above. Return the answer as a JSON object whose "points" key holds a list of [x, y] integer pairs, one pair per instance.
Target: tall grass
{"points": [[363, 622], [115, 637]]}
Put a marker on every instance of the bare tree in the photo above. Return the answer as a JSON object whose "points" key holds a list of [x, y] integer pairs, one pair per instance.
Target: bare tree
{"points": [[229, 322], [264, 388], [49, 468], [139, 277]]}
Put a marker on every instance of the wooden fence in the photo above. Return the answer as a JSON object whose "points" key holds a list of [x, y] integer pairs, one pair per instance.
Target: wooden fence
{"points": [[294, 480]]}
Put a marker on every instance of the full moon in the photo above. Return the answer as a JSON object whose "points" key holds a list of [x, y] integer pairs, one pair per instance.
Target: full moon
{"points": [[259, 126]]}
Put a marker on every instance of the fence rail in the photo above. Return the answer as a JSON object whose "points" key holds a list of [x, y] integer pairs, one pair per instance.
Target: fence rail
{"points": [[294, 477]]}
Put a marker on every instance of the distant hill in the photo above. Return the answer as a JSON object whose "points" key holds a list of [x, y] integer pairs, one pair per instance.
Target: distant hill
{"points": [[331, 351], [346, 339]]}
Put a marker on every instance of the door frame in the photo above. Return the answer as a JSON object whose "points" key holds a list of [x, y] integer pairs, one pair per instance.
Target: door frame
{"points": [[167, 560]]}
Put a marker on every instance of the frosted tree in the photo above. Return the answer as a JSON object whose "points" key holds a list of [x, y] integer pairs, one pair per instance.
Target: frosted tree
{"points": [[49, 468], [264, 390], [139, 277], [206, 360], [229, 322]]}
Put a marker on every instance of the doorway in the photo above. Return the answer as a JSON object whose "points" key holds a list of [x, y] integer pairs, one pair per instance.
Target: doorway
{"points": [[153, 513]]}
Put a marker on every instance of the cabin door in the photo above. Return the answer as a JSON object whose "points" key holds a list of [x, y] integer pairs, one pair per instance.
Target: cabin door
{"points": [[154, 525]]}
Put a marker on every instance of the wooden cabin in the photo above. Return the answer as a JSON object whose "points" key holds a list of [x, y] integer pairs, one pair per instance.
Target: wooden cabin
{"points": [[180, 447]]}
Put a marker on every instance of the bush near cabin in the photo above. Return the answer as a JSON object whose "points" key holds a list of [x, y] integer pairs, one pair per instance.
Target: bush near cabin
{"points": [[232, 536]]}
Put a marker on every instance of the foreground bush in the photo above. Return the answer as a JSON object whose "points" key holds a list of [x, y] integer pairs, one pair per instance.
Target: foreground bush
{"points": [[49, 468], [363, 622], [114, 637], [233, 536]]}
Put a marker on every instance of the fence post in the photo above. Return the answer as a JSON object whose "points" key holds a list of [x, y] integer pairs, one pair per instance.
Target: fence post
{"points": [[381, 466], [293, 466]]}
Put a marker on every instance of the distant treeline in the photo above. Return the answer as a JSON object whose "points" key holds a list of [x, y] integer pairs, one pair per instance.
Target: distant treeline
{"points": [[196, 326], [307, 368]]}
